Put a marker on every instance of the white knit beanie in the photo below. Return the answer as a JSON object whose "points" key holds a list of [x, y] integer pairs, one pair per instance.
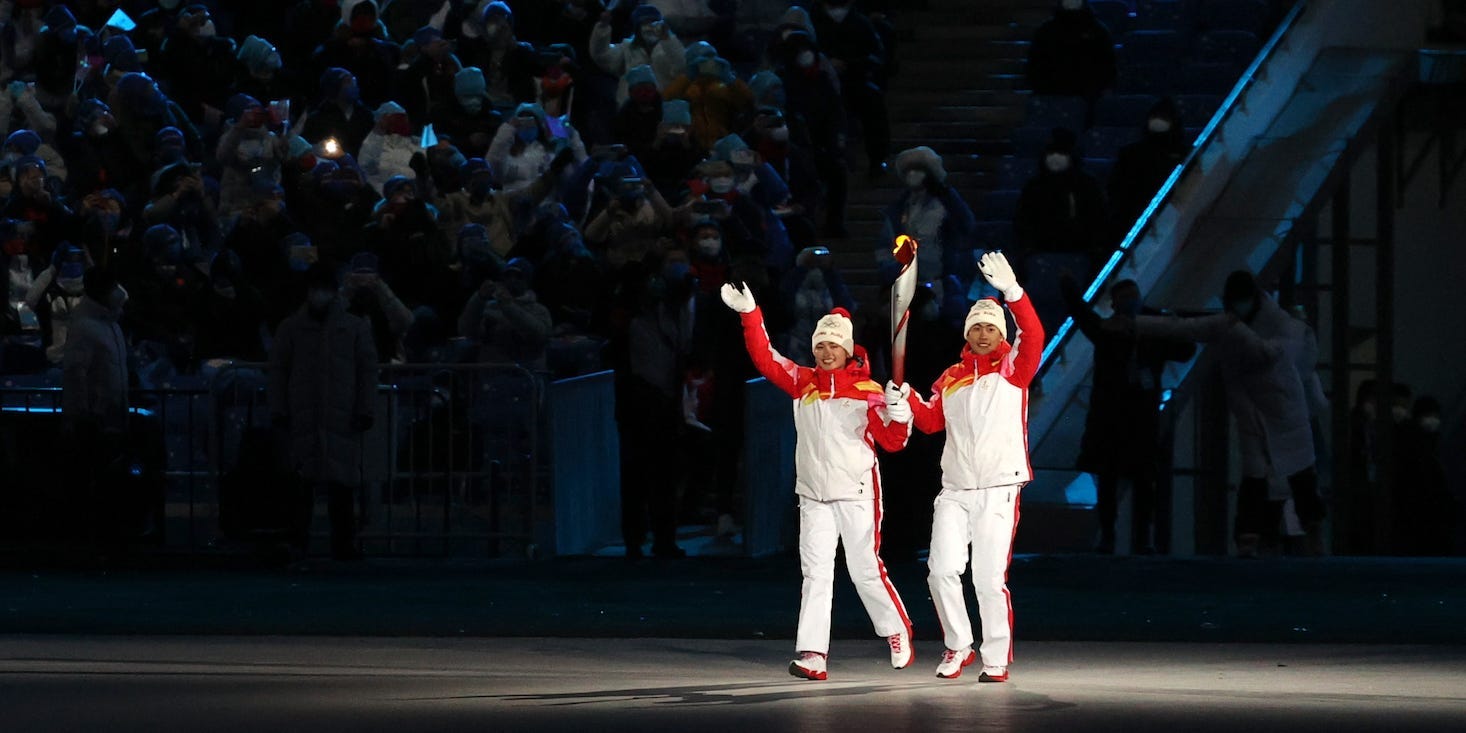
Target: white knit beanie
{"points": [[835, 328], [987, 310]]}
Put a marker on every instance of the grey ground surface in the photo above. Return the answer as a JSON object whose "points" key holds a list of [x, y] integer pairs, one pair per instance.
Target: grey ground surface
{"points": [[584, 645], [146, 683]]}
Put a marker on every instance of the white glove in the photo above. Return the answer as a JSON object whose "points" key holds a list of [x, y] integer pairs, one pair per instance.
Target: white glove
{"points": [[999, 274], [898, 406], [739, 297]]}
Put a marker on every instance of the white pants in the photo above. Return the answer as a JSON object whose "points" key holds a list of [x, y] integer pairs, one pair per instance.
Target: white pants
{"points": [[822, 526], [985, 520]]}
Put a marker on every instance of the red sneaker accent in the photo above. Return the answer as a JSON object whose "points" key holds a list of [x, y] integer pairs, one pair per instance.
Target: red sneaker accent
{"points": [[807, 674]]}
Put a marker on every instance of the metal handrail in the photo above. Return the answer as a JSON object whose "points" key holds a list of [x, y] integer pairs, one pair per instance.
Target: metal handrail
{"points": [[1146, 220]]}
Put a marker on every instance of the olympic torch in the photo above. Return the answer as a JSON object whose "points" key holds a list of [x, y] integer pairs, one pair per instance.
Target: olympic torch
{"points": [[902, 291]]}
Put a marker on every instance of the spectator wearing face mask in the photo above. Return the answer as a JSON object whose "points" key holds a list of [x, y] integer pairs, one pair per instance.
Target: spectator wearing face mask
{"points": [[636, 121], [935, 215], [467, 116], [94, 374], [260, 72], [42, 220], [718, 99], [855, 49], [570, 281], [55, 296], [760, 183], [1062, 224], [197, 65], [105, 225], [525, 146], [1144, 166], [510, 65], [427, 83], [340, 115], [182, 199], [507, 320], [632, 224], [389, 148], [770, 138], [651, 43], [96, 154], [413, 252], [713, 192], [19, 38], [1072, 54], [816, 119], [143, 113], [323, 388], [164, 286], [341, 204], [360, 45], [251, 156]]}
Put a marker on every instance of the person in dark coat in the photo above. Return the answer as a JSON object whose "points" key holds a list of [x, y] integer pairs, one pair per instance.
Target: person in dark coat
{"points": [[854, 46], [1072, 54], [359, 44], [340, 115], [1426, 512], [1061, 225], [1122, 426], [196, 65], [1144, 166], [323, 384]]}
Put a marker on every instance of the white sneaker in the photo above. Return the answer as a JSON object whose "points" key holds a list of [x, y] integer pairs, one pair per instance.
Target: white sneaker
{"points": [[809, 665], [993, 674], [901, 653], [953, 662]]}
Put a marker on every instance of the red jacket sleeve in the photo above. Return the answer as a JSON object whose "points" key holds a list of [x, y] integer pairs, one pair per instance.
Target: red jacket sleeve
{"points": [[890, 436], [780, 372], [928, 416], [1028, 342]]}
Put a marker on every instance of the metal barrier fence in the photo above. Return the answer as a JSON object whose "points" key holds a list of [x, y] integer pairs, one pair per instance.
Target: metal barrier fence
{"points": [[454, 464]]}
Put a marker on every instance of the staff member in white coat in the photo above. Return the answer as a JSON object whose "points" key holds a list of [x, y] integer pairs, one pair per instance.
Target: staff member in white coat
{"points": [[839, 417], [982, 403], [1266, 356]]}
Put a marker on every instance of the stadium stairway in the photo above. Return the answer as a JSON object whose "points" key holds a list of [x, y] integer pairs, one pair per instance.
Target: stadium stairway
{"points": [[957, 90]]}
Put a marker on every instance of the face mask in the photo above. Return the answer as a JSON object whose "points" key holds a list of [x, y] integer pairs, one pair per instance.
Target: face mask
{"points": [[1431, 423], [1056, 162], [721, 184], [71, 285], [1072, 4], [676, 272], [838, 14], [207, 30], [319, 298], [472, 105], [528, 134], [650, 38], [915, 179], [399, 126], [779, 134], [709, 246], [1399, 413], [709, 68], [805, 59], [100, 129], [930, 311], [227, 292], [1158, 124], [493, 31], [363, 24]]}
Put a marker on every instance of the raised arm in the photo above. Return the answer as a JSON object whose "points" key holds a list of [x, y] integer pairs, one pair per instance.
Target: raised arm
{"points": [[1028, 342], [780, 371]]}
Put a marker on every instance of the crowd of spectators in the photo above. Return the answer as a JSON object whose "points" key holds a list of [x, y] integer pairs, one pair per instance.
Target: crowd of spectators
{"points": [[512, 182]]}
